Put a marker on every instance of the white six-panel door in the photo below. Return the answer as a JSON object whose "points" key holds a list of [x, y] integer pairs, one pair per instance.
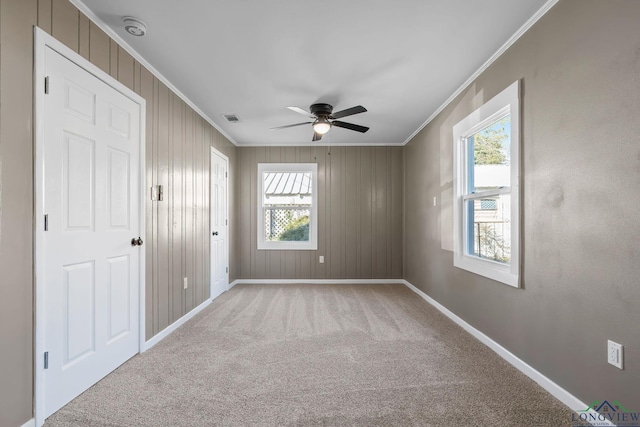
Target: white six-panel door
{"points": [[91, 202], [219, 225]]}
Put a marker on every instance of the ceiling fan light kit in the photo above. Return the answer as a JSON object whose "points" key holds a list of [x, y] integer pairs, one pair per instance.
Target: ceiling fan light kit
{"points": [[325, 119], [321, 126]]}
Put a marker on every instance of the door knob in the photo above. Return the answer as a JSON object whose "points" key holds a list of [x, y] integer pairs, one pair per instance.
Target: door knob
{"points": [[215, 233], [136, 241]]}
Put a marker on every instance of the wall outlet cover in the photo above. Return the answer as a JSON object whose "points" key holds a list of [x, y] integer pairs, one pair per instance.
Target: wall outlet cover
{"points": [[615, 354]]}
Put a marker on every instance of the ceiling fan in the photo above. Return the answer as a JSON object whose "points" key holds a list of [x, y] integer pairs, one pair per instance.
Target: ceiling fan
{"points": [[325, 118]]}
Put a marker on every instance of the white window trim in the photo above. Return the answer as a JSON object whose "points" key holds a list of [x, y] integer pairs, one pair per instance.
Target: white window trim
{"points": [[312, 244], [507, 101]]}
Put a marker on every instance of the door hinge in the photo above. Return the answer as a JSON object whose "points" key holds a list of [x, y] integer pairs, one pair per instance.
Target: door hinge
{"points": [[46, 222], [157, 193], [46, 85], [46, 360], [226, 222], [226, 175], [227, 269]]}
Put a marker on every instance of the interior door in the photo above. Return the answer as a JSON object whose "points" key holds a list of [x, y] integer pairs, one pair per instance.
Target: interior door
{"points": [[219, 225], [91, 204]]}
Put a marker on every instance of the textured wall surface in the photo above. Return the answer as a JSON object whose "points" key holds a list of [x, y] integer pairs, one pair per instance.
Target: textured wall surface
{"points": [[177, 156], [579, 67], [359, 215], [16, 181]]}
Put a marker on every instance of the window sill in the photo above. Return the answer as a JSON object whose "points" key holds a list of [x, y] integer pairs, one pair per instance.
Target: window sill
{"points": [[287, 246], [487, 268]]}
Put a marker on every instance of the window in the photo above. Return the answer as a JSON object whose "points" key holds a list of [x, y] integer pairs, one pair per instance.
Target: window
{"points": [[486, 178], [287, 206], [488, 204]]}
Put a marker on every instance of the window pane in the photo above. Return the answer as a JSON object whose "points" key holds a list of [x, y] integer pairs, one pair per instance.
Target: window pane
{"points": [[488, 204], [289, 188], [489, 230], [287, 202], [286, 224], [491, 149]]}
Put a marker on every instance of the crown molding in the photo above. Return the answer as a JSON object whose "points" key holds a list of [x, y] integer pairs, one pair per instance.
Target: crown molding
{"points": [[521, 31], [107, 29], [539, 14]]}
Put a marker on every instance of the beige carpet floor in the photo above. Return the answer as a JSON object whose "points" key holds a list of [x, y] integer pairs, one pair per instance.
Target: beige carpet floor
{"points": [[316, 355]]}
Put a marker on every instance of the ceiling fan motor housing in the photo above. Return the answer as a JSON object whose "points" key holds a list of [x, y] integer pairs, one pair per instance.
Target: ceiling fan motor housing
{"points": [[321, 110]]}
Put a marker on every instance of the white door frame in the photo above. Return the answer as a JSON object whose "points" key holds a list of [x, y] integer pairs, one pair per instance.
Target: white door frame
{"points": [[42, 41], [226, 201]]}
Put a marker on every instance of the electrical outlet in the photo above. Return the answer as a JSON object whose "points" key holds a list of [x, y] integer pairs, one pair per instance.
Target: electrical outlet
{"points": [[615, 354], [321, 260], [435, 201], [185, 282]]}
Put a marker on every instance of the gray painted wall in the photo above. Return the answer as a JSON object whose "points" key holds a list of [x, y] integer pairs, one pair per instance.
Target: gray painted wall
{"points": [[16, 207], [359, 216], [177, 244], [580, 68], [581, 164], [177, 155]]}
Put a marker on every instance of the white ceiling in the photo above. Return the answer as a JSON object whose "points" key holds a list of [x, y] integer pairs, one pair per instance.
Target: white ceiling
{"points": [[400, 59]]}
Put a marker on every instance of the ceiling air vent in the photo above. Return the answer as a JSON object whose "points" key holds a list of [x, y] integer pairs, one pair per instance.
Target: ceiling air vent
{"points": [[231, 118]]}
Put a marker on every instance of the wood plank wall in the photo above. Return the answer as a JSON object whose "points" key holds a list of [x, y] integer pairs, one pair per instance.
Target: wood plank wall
{"points": [[177, 156], [359, 216]]}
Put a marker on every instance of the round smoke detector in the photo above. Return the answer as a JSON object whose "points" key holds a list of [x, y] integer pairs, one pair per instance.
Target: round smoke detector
{"points": [[134, 26]]}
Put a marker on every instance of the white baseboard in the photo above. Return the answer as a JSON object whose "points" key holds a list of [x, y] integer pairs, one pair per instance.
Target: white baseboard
{"points": [[175, 325], [554, 389], [317, 281], [30, 423]]}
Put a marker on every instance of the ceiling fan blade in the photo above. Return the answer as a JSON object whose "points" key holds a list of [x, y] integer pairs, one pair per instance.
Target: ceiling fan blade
{"points": [[290, 126], [350, 126], [316, 137], [349, 112], [300, 111]]}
